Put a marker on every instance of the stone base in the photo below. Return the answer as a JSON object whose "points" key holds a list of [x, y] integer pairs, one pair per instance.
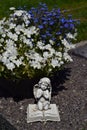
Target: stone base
{"points": [[81, 51], [34, 115]]}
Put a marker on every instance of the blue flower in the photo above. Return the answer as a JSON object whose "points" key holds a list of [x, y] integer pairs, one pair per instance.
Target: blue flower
{"points": [[63, 20], [53, 38], [58, 44], [66, 25], [36, 20], [70, 20], [58, 11], [40, 26], [69, 16], [51, 22], [43, 36], [71, 26], [58, 33], [44, 22], [48, 34]]}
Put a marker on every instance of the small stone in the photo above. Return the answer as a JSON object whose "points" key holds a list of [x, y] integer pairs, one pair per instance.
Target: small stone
{"points": [[21, 108], [1, 107], [18, 121], [11, 100]]}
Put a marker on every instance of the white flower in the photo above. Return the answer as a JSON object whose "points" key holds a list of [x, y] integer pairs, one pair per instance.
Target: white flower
{"points": [[1, 30], [12, 58], [51, 42], [4, 59], [28, 15], [66, 44], [11, 26], [48, 46], [15, 37], [9, 34], [35, 60], [25, 18], [9, 43], [27, 22], [18, 62], [2, 21], [46, 55], [35, 64], [37, 57], [10, 53], [40, 45], [61, 62], [75, 34], [12, 36], [59, 54], [12, 8], [4, 35], [18, 29], [10, 66], [52, 52], [54, 63], [71, 36], [67, 57], [34, 30], [27, 41], [28, 33], [1, 40], [19, 12]]}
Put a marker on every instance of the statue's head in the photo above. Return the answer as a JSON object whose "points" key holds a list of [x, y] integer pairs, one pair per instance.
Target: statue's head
{"points": [[44, 83]]}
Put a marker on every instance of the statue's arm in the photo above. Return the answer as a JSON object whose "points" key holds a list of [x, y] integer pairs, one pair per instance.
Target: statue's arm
{"points": [[37, 92]]}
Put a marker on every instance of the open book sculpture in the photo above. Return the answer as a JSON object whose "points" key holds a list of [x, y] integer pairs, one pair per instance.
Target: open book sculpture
{"points": [[43, 110]]}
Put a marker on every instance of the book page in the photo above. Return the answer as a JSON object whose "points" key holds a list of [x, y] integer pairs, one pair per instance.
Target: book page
{"points": [[52, 114], [33, 114]]}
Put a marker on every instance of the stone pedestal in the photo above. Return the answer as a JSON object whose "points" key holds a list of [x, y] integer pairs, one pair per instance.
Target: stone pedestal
{"points": [[34, 115]]}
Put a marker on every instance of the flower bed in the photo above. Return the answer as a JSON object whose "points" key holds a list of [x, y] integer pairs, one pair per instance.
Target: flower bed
{"points": [[35, 42]]}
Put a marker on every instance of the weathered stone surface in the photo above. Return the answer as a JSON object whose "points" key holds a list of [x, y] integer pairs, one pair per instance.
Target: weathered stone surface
{"points": [[5, 125], [81, 51], [34, 115]]}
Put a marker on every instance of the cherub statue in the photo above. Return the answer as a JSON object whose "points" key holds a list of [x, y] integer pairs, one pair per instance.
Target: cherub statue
{"points": [[42, 93]]}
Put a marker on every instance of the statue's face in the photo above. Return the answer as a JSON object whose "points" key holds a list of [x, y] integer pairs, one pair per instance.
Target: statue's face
{"points": [[43, 85]]}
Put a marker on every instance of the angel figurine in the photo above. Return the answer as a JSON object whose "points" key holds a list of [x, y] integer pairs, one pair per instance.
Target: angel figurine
{"points": [[42, 93]]}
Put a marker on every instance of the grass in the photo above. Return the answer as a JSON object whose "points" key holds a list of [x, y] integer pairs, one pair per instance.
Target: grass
{"points": [[78, 8]]}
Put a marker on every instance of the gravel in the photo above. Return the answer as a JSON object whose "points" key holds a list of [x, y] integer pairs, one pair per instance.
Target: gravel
{"points": [[69, 93]]}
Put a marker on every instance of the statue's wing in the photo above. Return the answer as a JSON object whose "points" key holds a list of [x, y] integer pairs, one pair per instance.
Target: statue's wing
{"points": [[50, 92], [35, 88]]}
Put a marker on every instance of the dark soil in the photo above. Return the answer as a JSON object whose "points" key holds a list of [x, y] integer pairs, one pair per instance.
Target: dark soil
{"points": [[69, 93]]}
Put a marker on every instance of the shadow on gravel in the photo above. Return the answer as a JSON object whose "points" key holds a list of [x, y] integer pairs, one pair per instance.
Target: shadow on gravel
{"points": [[59, 79], [5, 125], [22, 89], [17, 89]]}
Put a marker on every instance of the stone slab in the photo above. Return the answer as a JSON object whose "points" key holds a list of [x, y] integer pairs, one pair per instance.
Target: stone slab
{"points": [[80, 51], [34, 115], [5, 125]]}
